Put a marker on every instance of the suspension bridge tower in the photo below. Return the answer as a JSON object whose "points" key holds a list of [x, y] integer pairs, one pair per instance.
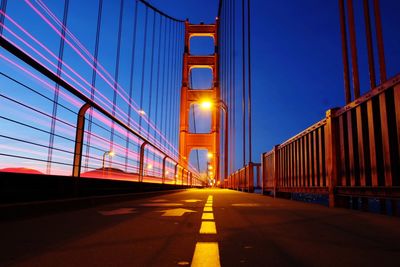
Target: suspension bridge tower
{"points": [[189, 96]]}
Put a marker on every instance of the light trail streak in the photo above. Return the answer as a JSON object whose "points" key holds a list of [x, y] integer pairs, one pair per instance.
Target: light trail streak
{"points": [[136, 109], [77, 103]]}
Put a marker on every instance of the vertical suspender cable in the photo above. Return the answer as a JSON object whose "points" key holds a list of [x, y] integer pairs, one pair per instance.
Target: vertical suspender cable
{"points": [[57, 87], [166, 82], [167, 74], [346, 72], [353, 49], [169, 87], [234, 89], [162, 115], [379, 36], [3, 9], [172, 87], [143, 67], [132, 69], [151, 78], [158, 71], [116, 74], [151, 70], [249, 75], [94, 76], [368, 32], [177, 85], [243, 89]]}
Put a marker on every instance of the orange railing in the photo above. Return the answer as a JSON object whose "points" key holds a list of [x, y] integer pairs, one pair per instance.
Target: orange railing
{"points": [[354, 151], [243, 179]]}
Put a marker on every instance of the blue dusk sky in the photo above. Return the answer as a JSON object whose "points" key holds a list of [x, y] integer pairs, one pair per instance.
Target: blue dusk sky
{"points": [[297, 71]]}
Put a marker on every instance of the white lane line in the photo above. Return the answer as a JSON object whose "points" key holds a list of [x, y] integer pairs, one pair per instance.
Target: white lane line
{"points": [[206, 254]]}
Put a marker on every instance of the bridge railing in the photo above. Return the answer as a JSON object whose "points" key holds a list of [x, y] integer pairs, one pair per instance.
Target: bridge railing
{"points": [[298, 164], [72, 158], [354, 151], [243, 179]]}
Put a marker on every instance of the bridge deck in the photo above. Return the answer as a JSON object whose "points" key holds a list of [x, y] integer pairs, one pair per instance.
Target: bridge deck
{"points": [[251, 230]]}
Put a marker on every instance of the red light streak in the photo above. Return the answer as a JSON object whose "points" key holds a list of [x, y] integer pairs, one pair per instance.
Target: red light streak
{"points": [[70, 99], [99, 65]]}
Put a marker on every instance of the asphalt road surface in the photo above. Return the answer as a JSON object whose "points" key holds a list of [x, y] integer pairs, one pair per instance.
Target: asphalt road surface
{"points": [[203, 227]]}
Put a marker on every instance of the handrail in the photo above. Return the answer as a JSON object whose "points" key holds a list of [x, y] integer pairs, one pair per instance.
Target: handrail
{"points": [[354, 151]]}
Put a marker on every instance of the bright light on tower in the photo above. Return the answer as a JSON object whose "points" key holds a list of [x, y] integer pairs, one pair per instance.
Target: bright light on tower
{"points": [[150, 166], [206, 105], [209, 155]]}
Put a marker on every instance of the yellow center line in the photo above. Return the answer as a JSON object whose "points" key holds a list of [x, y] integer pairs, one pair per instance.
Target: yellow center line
{"points": [[207, 216], [208, 209], [208, 227], [206, 254]]}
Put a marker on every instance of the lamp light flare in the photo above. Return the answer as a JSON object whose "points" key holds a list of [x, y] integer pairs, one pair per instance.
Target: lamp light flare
{"points": [[206, 105]]}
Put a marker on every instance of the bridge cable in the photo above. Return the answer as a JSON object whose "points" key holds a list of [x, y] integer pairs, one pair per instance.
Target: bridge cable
{"points": [[143, 68], [249, 76], [3, 9], [57, 88], [116, 74], [131, 79], [243, 89], [151, 75]]}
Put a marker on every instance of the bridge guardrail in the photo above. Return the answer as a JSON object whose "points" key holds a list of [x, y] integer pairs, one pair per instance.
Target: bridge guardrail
{"points": [[354, 151], [243, 179], [181, 175]]}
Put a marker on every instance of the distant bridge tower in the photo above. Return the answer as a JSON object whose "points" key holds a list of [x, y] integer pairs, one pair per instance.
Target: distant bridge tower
{"points": [[189, 96]]}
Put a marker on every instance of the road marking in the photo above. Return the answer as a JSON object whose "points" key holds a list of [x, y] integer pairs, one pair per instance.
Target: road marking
{"points": [[207, 216], [192, 200], [208, 205], [120, 211], [175, 212], [208, 227], [206, 254], [161, 204], [208, 209]]}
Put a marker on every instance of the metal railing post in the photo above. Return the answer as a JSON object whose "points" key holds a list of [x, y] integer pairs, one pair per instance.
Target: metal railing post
{"points": [[331, 154], [163, 169], [80, 130], [141, 161], [276, 168], [176, 172]]}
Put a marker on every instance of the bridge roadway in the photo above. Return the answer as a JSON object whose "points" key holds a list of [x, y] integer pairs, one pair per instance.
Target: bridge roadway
{"points": [[164, 230]]}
